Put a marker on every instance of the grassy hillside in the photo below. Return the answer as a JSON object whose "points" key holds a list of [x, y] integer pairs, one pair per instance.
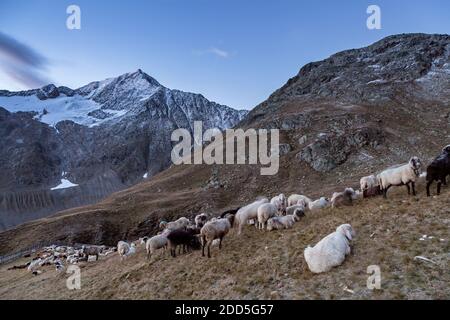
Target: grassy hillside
{"points": [[263, 265]]}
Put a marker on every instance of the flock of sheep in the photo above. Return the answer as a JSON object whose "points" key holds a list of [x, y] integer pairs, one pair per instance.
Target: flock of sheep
{"points": [[282, 213], [275, 214]]}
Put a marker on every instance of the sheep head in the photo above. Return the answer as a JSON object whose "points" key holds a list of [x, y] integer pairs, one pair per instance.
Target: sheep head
{"points": [[347, 231], [298, 213], [415, 165], [446, 149]]}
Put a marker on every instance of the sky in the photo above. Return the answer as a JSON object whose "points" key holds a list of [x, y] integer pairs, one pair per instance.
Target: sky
{"points": [[234, 52]]}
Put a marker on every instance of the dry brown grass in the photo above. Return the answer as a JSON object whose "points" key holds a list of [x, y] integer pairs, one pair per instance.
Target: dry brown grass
{"points": [[257, 264]]}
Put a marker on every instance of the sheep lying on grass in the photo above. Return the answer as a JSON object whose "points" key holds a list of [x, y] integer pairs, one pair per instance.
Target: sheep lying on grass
{"points": [[214, 230], [318, 204], [330, 251], [404, 175], [295, 198], [345, 198], [299, 206], [285, 222]]}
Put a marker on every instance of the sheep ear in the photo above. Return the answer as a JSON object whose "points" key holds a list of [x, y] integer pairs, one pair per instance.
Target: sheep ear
{"points": [[348, 234]]}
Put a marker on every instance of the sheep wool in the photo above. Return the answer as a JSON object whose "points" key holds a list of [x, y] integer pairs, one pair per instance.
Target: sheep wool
{"points": [[330, 251]]}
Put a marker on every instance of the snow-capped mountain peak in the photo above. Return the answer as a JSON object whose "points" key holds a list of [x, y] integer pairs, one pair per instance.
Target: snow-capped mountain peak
{"points": [[100, 102]]}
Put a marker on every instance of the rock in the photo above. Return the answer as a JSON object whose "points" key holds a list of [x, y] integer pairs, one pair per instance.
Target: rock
{"points": [[331, 150], [302, 140], [284, 148]]}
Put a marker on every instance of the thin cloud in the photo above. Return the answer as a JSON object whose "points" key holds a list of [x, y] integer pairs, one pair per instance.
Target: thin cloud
{"points": [[21, 62], [214, 51], [219, 52]]}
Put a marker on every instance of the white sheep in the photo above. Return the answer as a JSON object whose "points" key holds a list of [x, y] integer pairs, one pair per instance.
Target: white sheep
{"points": [[285, 222], [181, 223], [157, 242], [213, 230], [368, 182], [200, 220], [299, 206], [34, 265], [247, 213], [295, 198], [280, 201], [125, 249], [403, 175], [267, 211], [318, 204], [330, 251]]}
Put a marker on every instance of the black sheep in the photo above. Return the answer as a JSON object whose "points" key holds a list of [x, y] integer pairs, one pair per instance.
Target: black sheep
{"points": [[229, 212], [184, 238], [438, 170]]}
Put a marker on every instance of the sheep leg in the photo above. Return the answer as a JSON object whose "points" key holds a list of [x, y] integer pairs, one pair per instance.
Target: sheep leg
{"points": [[384, 193], [413, 186], [220, 243], [209, 249], [439, 187], [203, 245], [409, 189], [148, 254], [428, 187]]}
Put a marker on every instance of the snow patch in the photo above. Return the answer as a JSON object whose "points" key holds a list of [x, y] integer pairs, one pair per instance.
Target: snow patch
{"points": [[52, 111], [65, 184]]}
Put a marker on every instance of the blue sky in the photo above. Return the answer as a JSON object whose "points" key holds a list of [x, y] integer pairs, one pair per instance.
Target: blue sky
{"points": [[233, 52]]}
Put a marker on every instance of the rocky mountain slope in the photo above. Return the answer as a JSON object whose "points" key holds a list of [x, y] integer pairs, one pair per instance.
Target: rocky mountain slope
{"points": [[270, 265], [332, 133], [62, 148]]}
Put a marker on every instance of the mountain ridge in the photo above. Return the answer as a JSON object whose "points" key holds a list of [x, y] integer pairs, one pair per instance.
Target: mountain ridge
{"points": [[99, 138], [328, 144]]}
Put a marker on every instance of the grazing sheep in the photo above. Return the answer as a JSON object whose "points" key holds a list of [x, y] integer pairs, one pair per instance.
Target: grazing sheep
{"points": [[92, 251], [281, 202], [330, 251], [342, 198], [368, 182], [215, 230], [403, 175], [438, 170], [200, 220], [183, 238], [267, 211], [285, 222], [318, 204], [248, 212], [125, 249], [181, 223], [295, 198], [156, 242]]}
